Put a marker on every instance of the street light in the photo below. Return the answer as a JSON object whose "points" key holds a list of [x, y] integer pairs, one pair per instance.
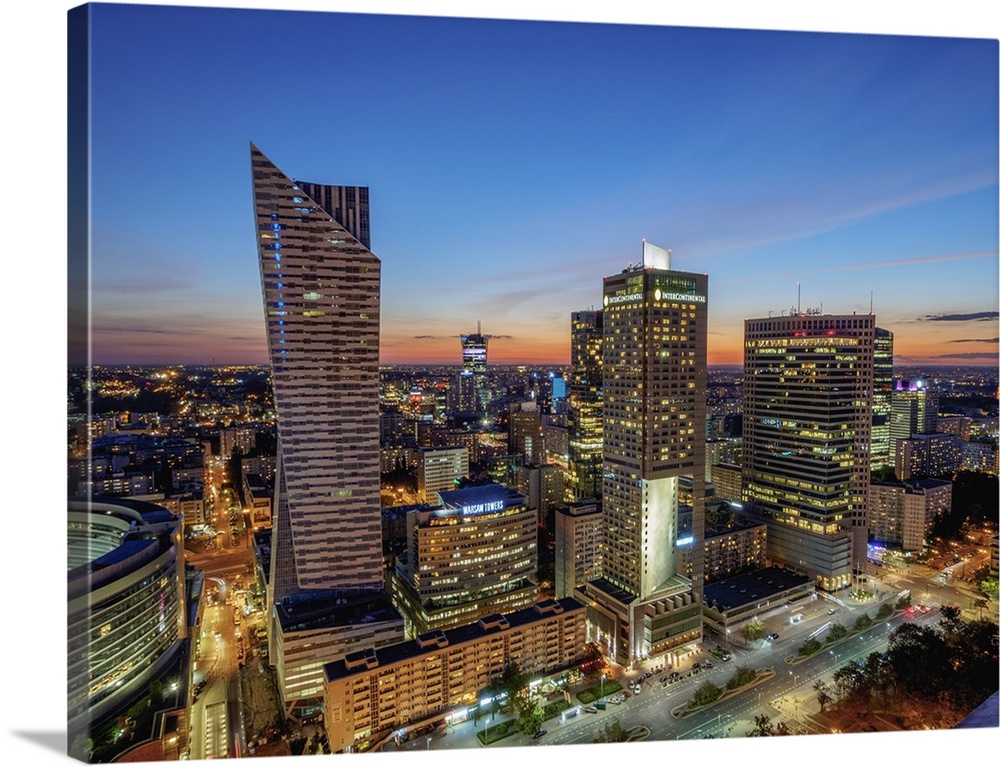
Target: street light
{"points": [[602, 685]]}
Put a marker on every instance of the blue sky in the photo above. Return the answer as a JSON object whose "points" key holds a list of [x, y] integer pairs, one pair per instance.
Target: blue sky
{"points": [[513, 164]]}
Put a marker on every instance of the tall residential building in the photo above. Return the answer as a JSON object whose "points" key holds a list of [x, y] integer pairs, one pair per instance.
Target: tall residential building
{"points": [[585, 417], [806, 437], [320, 287], [579, 539], [902, 512], [882, 449], [654, 379]]}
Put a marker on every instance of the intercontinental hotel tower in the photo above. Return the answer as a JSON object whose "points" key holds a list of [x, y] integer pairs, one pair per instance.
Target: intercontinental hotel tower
{"points": [[654, 377]]}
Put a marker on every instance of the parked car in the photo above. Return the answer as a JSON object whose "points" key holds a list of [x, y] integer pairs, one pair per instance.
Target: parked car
{"points": [[590, 709], [539, 733], [772, 636]]}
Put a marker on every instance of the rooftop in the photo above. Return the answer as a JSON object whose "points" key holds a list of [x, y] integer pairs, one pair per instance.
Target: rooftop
{"points": [[750, 588]]}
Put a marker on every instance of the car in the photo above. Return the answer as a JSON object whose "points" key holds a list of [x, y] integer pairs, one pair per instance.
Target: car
{"points": [[772, 636], [615, 700], [708, 665], [727, 658], [638, 689], [539, 733], [625, 694], [590, 709], [831, 611]]}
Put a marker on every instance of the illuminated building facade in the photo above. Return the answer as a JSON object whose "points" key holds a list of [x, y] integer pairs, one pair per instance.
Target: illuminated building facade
{"points": [[902, 512], [474, 351], [806, 437], [126, 605], [913, 410], [654, 381], [526, 432], [579, 542], [882, 454], [373, 695], [438, 469], [474, 555], [585, 415], [320, 286]]}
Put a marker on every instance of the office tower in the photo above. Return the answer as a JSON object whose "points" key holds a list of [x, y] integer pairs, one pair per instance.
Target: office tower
{"points": [[474, 360], [463, 396], [914, 410], [558, 386], [882, 450], [585, 416], [654, 375], [806, 436], [320, 287], [526, 432], [579, 539], [440, 468], [473, 555]]}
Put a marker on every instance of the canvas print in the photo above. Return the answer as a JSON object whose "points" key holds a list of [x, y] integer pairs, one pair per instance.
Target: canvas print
{"points": [[443, 384]]}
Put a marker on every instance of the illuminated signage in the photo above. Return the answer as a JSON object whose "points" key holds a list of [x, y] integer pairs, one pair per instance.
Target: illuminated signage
{"points": [[613, 299], [476, 508], [682, 541], [677, 297]]}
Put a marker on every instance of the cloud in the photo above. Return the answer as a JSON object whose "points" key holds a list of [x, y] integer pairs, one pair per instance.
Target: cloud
{"points": [[970, 355], [448, 337], [976, 340], [977, 316]]}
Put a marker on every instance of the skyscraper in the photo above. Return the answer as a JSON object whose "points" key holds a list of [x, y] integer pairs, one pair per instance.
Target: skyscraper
{"points": [[806, 435], [882, 452], [321, 298], [584, 418], [474, 347], [320, 287], [654, 376]]}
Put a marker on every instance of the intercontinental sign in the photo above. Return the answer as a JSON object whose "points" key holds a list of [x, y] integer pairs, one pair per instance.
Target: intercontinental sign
{"points": [[611, 300]]}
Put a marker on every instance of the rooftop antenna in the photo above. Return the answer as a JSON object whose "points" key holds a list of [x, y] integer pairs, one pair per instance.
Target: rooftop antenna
{"points": [[871, 303], [479, 327], [799, 309]]}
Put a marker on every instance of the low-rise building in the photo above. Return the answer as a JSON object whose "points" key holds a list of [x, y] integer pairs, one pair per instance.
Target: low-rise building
{"points": [[372, 694]]}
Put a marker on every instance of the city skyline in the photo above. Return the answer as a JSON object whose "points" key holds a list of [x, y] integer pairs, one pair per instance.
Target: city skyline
{"points": [[855, 171]]}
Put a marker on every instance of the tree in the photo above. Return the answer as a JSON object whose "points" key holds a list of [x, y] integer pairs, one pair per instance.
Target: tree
{"points": [[529, 712], [823, 696], [884, 611], [743, 676], [810, 647], [752, 631], [762, 726], [951, 618], [863, 622], [837, 632], [82, 748], [903, 601], [612, 732], [981, 604], [989, 587], [707, 693]]}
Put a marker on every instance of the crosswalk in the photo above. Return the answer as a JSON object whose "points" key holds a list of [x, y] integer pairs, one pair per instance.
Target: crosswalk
{"points": [[216, 731]]}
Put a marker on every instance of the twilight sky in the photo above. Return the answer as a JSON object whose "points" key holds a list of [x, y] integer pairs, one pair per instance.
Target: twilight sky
{"points": [[513, 164]]}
